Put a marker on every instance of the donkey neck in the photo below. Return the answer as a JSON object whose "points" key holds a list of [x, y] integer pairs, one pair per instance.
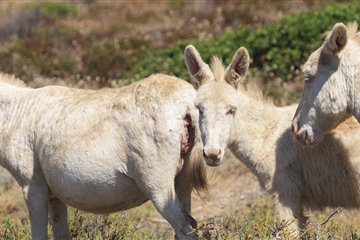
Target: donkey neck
{"points": [[350, 72], [257, 127], [16, 107], [354, 96]]}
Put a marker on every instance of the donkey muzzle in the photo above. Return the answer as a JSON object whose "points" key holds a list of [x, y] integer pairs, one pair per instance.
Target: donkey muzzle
{"points": [[212, 156]]}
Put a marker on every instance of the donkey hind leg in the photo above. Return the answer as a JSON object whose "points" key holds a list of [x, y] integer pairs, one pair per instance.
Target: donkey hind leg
{"points": [[58, 217], [36, 198]]}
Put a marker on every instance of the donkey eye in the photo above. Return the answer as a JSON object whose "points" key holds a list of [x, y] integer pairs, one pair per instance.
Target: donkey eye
{"points": [[308, 79], [231, 111]]}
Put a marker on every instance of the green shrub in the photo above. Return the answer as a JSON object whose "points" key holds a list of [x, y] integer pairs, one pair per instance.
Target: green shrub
{"points": [[277, 50], [37, 56], [58, 9], [112, 58], [176, 4], [55, 9]]}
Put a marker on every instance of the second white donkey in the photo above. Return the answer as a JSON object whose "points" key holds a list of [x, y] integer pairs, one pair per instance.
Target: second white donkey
{"points": [[257, 132]]}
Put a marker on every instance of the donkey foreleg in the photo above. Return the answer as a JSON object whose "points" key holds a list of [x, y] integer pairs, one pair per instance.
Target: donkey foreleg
{"points": [[162, 193], [58, 217], [36, 198], [290, 214], [172, 210]]}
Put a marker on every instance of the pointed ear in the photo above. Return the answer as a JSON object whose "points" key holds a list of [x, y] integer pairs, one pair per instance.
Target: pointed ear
{"points": [[337, 39], [238, 67], [199, 70]]}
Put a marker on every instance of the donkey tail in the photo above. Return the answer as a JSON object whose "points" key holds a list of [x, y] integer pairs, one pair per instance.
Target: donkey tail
{"points": [[197, 168]]}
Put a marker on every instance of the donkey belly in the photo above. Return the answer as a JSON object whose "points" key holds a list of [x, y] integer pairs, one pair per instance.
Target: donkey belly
{"points": [[105, 194]]}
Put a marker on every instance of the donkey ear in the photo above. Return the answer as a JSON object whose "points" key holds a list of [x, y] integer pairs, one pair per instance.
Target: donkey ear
{"points": [[337, 39], [199, 70], [238, 67]]}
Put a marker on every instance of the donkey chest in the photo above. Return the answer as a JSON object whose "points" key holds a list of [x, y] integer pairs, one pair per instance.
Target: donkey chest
{"points": [[329, 187]]}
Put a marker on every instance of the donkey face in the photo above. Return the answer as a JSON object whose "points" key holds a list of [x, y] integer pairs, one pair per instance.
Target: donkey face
{"points": [[323, 104], [217, 99], [217, 106]]}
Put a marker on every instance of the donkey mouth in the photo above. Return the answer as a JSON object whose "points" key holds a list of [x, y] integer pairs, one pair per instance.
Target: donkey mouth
{"points": [[212, 160], [212, 163]]}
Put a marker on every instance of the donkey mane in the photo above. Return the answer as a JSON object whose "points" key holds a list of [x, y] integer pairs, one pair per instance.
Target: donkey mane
{"points": [[218, 69], [10, 79], [251, 90], [351, 33]]}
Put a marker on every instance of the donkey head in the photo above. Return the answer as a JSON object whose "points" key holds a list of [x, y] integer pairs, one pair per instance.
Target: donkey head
{"points": [[329, 75], [217, 99]]}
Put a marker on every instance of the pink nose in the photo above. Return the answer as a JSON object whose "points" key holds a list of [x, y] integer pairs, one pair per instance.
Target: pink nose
{"points": [[212, 156]]}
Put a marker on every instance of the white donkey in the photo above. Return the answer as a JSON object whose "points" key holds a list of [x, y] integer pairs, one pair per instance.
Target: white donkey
{"points": [[332, 85], [102, 151], [259, 135]]}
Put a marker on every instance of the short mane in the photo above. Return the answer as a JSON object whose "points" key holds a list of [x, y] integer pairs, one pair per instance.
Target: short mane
{"points": [[218, 69], [352, 28], [10, 79]]}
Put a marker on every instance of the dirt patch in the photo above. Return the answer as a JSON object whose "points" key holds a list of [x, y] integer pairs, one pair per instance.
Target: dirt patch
{"points": [[234, 188]]}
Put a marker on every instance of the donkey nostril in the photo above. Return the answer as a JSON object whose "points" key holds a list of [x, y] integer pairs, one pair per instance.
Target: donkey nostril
{"points": [[203, 152], [212, 154], [302, 136], [219, 154]]}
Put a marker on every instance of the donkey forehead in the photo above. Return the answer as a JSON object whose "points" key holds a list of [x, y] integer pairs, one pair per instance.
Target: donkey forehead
{"points": [[321, 62], [310, 67], [215, 93]]}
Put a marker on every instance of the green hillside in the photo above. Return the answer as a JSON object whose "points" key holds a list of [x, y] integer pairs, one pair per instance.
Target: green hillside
{"points": [[277, 50]]}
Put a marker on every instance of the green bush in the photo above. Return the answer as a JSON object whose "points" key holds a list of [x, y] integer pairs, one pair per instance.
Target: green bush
{"points": [[37, 55], [58, 9], [277, 50], [112, 58]]}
